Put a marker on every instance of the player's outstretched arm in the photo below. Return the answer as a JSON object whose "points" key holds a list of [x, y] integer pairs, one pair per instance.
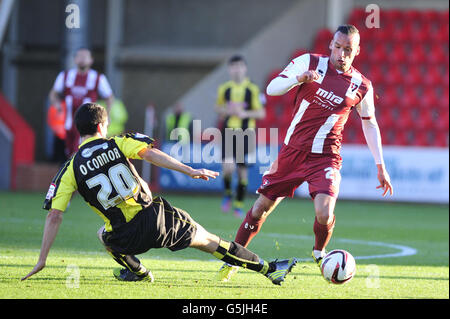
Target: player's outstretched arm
{"points": [[54, 219], [373, 139], [385, 180], [282, 83], [161, 159]]}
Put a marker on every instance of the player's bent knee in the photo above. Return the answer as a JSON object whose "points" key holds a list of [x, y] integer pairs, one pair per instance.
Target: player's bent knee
{"points": [[324, 217], [100, 234], [204, 240], [263, 207]]}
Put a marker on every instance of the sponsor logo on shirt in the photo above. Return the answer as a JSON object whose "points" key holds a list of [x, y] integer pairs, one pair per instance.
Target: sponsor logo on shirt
{"points": [[87, 152], [51, 191], [326, 99]]}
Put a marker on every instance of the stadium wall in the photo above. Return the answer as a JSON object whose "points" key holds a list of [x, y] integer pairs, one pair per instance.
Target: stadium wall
{"points": [[418, 174], [165, 47], [18, 140], [270, 48]]}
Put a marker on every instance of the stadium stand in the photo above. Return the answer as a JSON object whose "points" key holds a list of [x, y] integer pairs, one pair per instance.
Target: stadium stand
{"points": [[19, 147], [407, 59]]}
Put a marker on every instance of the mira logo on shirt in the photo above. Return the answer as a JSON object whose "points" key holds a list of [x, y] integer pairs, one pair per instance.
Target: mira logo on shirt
{"points": [[328, 97]]}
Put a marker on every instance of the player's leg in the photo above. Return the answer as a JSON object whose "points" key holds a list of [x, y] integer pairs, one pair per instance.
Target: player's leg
{"points": [[249, 228], [227, 171], [241, 189], [255, 218], [323, 223], [133, 271], [324, 181], [280, 181], [235, 254]]}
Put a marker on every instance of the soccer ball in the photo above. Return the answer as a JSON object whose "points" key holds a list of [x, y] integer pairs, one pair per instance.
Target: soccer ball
{"points": [[338, 266]]}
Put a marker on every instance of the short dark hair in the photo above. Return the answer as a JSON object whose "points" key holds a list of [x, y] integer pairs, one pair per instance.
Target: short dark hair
{"points": [[347, 29], [88, 116], [236, 58], [83, 48]]}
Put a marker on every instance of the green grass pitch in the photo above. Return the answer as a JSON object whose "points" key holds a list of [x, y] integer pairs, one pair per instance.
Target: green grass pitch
{"points": [[401, 252]]}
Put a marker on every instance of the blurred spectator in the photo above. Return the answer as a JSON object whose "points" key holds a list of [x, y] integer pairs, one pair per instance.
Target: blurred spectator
{"points": [[179, 118], [238, 105], [77, 86], [55, 120], [118, 117]]}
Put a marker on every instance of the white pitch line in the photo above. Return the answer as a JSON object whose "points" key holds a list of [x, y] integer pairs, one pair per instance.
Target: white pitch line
{"points": [[403, 250]]}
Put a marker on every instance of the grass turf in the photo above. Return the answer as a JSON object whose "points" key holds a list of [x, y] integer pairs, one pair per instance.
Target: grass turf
{"points": [[363, 228]]}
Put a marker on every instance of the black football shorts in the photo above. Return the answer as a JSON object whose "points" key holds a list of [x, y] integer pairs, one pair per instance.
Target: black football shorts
{"points": [[160, 225]]}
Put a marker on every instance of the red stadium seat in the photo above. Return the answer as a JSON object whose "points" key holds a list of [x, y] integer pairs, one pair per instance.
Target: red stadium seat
{"points": [[404, 137], [348, 135], [394, 75], [389, 98], [272, 101], [323, 36], [405, 119], [422, 138], [385, 118], [272, 75], [417, 55], [414, 76], [388, 136], [442, 35], [376, 74], [380, 36], [422, 32], [407, 60], [358, 17], [433, 76], [363, 57], [424, 119], [413, 16], [379, 54], [430, 16], [297, 53], [288, 99], [353, 120], [443, 100], [428, 99], [410, 98], [441, 121], [445, 79], [440, 138], [392, 16], [322, 48], [437, 54], [402, 33], [398, 53]]}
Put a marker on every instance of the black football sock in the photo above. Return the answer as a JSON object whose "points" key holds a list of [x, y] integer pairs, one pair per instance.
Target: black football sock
{"points": [[227, 185], [241, 189], [237, 255], [130, 262]]}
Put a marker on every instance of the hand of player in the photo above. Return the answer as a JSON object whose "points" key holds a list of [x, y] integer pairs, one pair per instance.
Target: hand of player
{"points": [[308, 77], [39, 266], [242, 114], [235, 108], [385, 181], [203, 173]]}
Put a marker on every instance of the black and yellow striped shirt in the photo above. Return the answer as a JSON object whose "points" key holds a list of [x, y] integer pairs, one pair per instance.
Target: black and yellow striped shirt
{"points": [[246, 92], [106, 179]]}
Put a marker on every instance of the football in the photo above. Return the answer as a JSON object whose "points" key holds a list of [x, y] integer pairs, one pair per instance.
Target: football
{"points": [[338, 266]]}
